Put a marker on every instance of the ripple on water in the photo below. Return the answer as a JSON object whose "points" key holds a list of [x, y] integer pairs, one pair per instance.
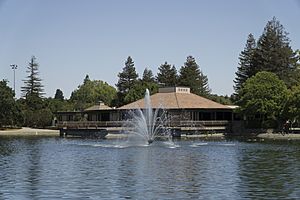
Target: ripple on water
{"points": [[199, 144], [78, 169]]}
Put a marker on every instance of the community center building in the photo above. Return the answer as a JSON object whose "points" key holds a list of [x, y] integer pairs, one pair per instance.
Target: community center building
{"points": [[185, 110]]}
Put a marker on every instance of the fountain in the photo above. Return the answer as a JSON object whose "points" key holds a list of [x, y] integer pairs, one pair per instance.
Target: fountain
{"points": [[147, 123]]}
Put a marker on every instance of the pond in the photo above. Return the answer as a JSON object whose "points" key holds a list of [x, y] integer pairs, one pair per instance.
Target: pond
{"points": [[58, 168]]}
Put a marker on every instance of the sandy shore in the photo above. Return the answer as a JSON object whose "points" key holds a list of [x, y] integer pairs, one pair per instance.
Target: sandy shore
{"points": [[29, 132]]}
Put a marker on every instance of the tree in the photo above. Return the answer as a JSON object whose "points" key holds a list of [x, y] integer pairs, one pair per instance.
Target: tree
{"points": [[263, 95], [191, 76], [86, 79], [274, 53], [292, 109], [55, 105], [148, 82], [33, 85], [91, 92], [33, 91], [297, 52], [148, 76], [10, 114], [38, 118], [35, 110], [245, 69], [167, 75], [59, 95], [127, 78], [137, 91], [271, 53], [225, 100]]}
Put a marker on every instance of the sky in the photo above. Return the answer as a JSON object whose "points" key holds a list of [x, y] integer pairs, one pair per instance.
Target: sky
{"points": [[73, 38]]}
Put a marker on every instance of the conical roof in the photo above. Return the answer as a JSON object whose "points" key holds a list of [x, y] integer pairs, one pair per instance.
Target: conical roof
{"points": [[177, 100], [100, 106]]}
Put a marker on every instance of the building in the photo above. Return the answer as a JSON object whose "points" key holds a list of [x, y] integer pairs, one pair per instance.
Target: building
{"points": [[101, 112], [185, 110], [184, 105]]}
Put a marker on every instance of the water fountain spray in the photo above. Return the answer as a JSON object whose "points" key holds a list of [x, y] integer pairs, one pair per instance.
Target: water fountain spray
{"points": [[148, 123]]}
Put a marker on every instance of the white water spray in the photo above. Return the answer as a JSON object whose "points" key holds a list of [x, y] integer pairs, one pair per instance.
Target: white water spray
{"points": [[147, 123]]}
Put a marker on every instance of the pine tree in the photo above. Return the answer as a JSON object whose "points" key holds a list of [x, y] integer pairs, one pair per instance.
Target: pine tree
{"points": [[274, 53], [191, 76], [167, 75], [127, 79], [86, 79], [148, 82], [246, 68], [59, 95], [148, 76], [33, 85]]}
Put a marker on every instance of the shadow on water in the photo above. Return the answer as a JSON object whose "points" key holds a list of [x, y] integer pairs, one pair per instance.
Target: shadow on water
{"points": [[8, 146], [255, 139], [271, 169]]}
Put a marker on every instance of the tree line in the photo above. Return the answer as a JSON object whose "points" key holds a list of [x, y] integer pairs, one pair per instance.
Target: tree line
{"points": [[35, 110], [267, 85], [267, 81]]}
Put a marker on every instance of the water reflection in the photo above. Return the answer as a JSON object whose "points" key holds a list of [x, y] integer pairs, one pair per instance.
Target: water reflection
{"points": [[269, 170], [7, 146], [37, 168]]}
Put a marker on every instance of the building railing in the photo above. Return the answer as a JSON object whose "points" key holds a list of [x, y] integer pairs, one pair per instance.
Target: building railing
{"points": [[191, 123], [104, 124], [88, 124]]}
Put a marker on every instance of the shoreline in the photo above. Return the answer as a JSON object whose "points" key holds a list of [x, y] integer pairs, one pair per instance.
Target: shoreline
{"points": [[278, 136], [25, 131]]}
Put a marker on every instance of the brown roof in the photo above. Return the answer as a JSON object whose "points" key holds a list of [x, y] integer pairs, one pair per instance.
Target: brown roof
{"points": [[100, 106], [174, 100]]}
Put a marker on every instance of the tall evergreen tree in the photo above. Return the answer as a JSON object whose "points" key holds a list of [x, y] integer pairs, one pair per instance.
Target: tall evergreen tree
{"points": [[167, 75], [33, 85], [59, 95], [127, 78], [245, 69], [86, 79], [271, 53], [274, 53], [191, 76], [137, 91], [148, 76]]}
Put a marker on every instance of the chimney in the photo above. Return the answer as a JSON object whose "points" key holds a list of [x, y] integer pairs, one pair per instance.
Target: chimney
{"points": [[101, 103]]}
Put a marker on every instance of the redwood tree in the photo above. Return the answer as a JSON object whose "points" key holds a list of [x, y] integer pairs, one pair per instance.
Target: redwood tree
{"points": [[191, 76]]}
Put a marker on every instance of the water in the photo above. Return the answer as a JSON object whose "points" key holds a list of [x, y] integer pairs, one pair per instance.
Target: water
{"points": [[56, 168], [146, 123]]}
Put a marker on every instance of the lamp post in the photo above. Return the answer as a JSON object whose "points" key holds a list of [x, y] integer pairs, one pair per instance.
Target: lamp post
{"points": [[14, 67]]}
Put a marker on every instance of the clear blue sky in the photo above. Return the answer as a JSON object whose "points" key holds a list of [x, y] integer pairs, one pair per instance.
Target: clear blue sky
{"points": [[72, 38]]}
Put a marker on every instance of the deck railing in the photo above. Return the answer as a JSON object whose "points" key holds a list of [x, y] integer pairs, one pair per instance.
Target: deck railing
{"points": [[104, 124], [88, 124]]}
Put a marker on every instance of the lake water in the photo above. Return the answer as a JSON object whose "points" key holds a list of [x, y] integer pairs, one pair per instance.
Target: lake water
{"points": [[57, 168]]}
